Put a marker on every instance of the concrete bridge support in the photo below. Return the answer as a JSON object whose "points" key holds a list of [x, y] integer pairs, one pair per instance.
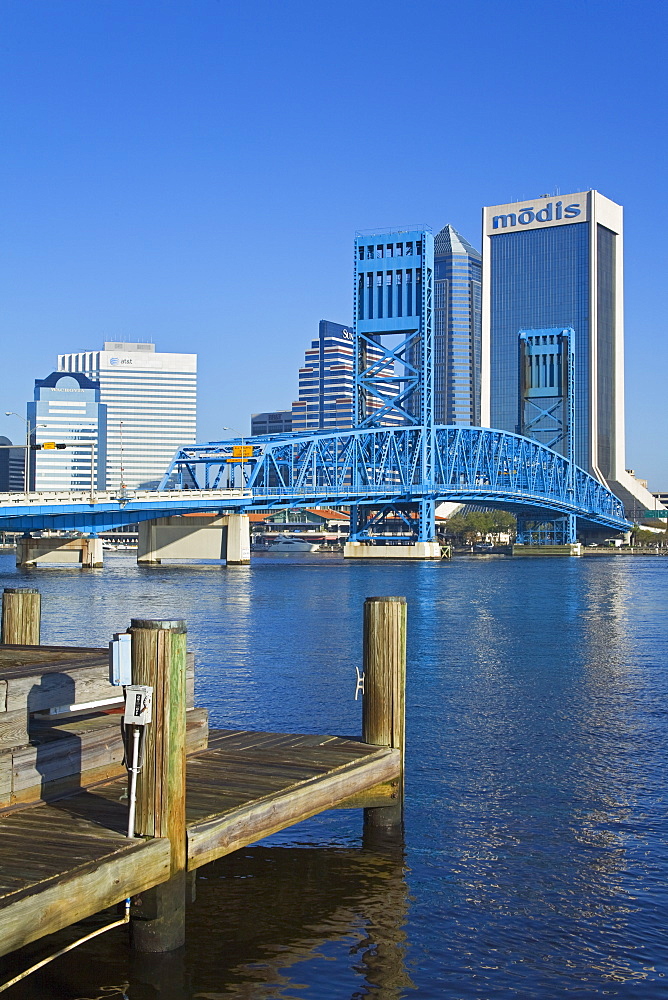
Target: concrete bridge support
{"points": [[378, 550], [567, 549], [84, 552], [225, 537]]}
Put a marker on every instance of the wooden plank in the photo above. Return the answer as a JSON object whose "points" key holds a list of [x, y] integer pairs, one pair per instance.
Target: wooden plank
{"points": [[28, 673], [5, 780], [67, 685], [63, 900], [212, 838], [13, 729], [15, 660], [85, 751]]}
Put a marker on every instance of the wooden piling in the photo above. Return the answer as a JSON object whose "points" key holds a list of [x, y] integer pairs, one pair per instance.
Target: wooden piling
{"points": [[159, 660], [384, 703], [21, 609]]}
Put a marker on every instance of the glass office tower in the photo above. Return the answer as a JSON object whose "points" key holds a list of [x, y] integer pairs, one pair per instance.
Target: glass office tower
{"points": [[457, 329], [556, 261], [67, 410]]}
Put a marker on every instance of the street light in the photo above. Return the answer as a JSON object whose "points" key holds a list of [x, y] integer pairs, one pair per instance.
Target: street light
{"points": [[242, 461]]}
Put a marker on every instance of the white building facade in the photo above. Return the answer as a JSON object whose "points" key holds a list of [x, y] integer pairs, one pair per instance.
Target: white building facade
{"points": [[151, 407]]}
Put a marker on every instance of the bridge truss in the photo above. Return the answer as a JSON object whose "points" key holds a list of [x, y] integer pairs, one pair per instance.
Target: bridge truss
{"points": [[366, 469], [385, 466]]}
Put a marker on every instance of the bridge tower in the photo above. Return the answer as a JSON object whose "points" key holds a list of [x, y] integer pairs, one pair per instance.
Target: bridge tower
{"points": [[546, 411], [393, 374]]}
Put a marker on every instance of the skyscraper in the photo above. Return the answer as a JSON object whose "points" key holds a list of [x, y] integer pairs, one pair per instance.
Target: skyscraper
{"points": [[326, 381], [555, 263], [12, 467], [151, 407], [67, 410], [457, 329]]}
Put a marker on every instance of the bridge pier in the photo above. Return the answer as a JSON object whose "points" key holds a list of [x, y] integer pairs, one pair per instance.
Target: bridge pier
{"points": [[379, 550], [551, 536], [371, 538], [567, 549], [84, 552], [193, 537]]}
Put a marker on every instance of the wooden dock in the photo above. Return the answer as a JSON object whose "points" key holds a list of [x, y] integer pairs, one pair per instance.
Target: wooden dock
{"points": [[64, 850], [63, 861]]}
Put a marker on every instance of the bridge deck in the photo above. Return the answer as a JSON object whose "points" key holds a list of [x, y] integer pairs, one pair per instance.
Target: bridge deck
{"points": [[65, 860]]}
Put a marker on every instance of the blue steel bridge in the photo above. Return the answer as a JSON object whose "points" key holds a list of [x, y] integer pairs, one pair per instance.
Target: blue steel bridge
{"points": [[369, 468]]}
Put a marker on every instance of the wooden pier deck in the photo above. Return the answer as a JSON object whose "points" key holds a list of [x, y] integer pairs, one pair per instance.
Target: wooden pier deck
{"points": [[200, 794], [65, 860]]}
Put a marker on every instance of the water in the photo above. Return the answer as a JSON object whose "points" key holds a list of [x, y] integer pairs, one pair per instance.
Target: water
{"points": [[535, 861]]}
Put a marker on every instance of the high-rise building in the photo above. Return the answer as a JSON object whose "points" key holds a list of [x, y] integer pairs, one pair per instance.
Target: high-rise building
{"points": [[151, 407], [555, 263], [457, 329], [271, 422], [326, 381], [67, 411], [12, 467]]}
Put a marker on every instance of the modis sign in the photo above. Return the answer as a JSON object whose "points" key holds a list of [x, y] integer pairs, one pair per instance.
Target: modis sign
{"points": [[556, 211]]}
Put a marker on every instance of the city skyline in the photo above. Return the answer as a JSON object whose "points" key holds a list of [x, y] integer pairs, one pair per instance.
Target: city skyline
{"points": [[134, 162]]}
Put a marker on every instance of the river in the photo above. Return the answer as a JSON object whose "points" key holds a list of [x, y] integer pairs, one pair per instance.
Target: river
{"points": [[535, 861]]}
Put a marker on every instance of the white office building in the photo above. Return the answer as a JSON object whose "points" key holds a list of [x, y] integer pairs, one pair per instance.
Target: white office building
{"points": [[151, 401]]}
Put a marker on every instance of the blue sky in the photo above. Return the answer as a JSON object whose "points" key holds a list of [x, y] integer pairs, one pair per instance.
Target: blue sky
{"points": [[192, 172]]}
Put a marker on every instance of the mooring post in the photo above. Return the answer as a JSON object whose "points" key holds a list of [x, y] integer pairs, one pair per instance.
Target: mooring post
{"points": [[159, 660], [384, 704], [21, 609]]}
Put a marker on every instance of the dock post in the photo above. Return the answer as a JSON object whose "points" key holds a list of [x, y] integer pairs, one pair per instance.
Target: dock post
{"points": [[384, 703], [159, 660], [21, 609]]}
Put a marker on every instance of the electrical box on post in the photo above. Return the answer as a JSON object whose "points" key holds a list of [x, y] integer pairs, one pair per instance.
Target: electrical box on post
{"points": [[120, 659], [138, 705]]}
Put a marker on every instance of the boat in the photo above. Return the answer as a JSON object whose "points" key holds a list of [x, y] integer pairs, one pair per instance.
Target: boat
{"points": [[293, 543]]}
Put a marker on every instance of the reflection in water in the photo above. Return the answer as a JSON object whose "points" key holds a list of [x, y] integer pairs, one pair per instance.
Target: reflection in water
{"points": [[266, 923], [536, 857], [283, 915]]}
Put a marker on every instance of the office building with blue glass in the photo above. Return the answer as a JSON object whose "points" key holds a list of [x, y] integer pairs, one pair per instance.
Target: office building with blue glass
{"points": [[67, 410], [457, 329], [550, 263]]}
